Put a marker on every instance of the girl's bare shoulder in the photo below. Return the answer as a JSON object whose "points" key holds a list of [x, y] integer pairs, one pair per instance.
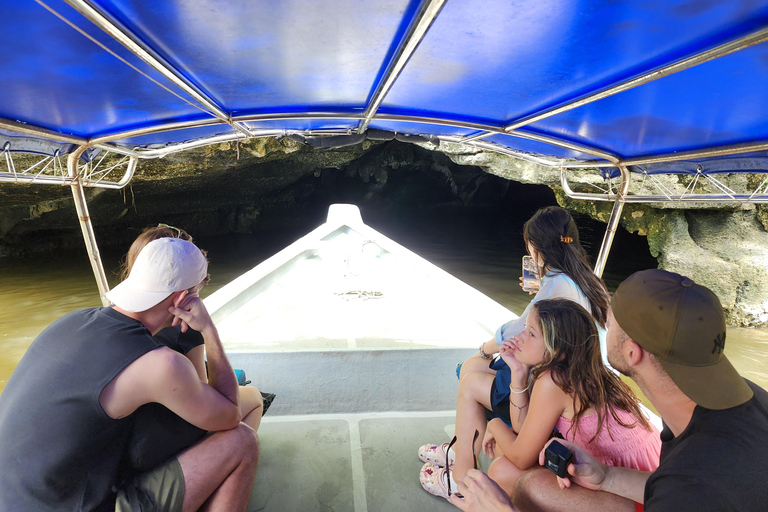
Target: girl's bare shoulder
{"points": [[546, 385]]}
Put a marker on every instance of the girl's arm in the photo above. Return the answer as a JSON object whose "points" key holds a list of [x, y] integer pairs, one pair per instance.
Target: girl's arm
{"points": [[490, 347], [547, 403], [550, 287], [499, 433], [519, 392], [519, 404]]}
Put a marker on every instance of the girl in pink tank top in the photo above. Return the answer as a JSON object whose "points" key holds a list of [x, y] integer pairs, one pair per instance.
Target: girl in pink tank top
{"points": [[616, 445], [559, 380]]}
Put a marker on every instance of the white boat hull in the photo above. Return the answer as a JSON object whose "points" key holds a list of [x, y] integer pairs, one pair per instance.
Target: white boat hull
{"points": [[345, 320]]}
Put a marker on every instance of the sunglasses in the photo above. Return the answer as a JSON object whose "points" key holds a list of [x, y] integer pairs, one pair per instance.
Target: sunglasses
{"points": [[448, 466], [172, 228]]}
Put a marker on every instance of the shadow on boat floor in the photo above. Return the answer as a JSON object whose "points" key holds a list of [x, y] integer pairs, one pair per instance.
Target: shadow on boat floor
{"points": [[364, 462]]}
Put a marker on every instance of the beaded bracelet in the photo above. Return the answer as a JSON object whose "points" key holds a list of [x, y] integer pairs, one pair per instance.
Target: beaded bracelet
{"points": [[519, 392]]}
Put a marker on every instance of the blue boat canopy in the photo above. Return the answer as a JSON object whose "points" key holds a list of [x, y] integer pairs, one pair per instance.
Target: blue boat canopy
{"points": [[586, 80], [630, 89]]}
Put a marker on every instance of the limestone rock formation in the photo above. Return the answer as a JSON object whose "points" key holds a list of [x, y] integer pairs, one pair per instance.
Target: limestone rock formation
{"points": [[721, 246]]}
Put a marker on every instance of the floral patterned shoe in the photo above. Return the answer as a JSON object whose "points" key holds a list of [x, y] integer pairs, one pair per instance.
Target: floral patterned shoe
{"points": [[434, 480], [435, 454]]}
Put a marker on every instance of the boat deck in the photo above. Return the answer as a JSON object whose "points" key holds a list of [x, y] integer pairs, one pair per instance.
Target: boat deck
{"points": [[344, 429], [358, 338], [346, 462]]}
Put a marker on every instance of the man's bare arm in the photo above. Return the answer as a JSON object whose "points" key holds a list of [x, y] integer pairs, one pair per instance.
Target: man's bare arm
{"points": [[481, 494], [167, 377], [191, 310]]}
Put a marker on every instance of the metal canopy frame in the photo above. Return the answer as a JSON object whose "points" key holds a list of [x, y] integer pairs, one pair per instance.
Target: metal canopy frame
{"points": [[415, 34], [737, 44], [133, 44], [80, 174], [51, 170]]}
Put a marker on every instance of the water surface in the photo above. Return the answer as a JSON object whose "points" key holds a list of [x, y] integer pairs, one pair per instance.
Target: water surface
{"points": [[482, 250]]}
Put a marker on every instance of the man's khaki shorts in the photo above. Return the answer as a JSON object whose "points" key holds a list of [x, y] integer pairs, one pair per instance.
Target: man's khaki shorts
{"points": [[158, 490]]}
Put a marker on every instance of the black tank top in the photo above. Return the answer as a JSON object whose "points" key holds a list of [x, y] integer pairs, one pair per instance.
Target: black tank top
{"points": [[58, 448]]}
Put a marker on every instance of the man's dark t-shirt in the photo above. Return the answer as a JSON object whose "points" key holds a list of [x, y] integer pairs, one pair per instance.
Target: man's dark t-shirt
{"points": [[182, 342], [720, 461], [158, 433], [58, 448]]}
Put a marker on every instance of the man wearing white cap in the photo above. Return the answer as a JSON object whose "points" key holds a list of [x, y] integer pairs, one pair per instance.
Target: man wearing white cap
{"points": [[65, 415], [668, 334]]}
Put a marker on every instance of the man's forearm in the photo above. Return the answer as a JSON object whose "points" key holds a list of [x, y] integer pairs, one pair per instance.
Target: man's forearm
{"points": [[627, 483], [221, 377]]}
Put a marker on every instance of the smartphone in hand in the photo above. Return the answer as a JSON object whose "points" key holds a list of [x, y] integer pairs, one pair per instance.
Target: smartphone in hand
{"points": [[530, 275]]}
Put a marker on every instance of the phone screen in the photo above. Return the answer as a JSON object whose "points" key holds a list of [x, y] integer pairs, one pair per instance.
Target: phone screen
{"points": [[530, 275]]}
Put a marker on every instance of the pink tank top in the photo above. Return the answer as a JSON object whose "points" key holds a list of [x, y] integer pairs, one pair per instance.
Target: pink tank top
{"points": [[616, 445]]}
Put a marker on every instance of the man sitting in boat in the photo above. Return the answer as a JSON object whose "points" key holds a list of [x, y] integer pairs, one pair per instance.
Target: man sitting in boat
{"points": [[158, 433], [668, 334], [66, 413]]}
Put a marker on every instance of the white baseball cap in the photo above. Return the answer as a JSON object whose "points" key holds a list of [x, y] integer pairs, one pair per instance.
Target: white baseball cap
{"points": [[164, 266]]}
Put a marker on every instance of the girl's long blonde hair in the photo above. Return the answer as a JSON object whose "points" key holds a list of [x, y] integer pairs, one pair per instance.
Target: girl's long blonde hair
{"points": [[574, 361]]}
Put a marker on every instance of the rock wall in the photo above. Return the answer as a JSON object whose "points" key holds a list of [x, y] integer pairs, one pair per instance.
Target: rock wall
{"points": [[723, 247], [228, 188], [271, 183], [216, 189], [726, 251]]}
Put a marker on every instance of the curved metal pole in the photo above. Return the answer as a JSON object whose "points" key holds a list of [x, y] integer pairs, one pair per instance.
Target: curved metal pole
{"points": [[96, 141], [729, 47], [133, 44], [85, 224], [182, 146], [37, 131], [757, 37], [489, 146], [613, 222], [128, 176], [727, 150], [415, 34]]}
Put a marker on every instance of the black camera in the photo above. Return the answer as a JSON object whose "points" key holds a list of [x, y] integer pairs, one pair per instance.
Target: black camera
{"points": [[557, 457]]}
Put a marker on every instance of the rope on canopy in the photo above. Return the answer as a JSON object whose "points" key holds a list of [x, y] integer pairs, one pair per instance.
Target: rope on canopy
{"points": [[133, 44]]}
